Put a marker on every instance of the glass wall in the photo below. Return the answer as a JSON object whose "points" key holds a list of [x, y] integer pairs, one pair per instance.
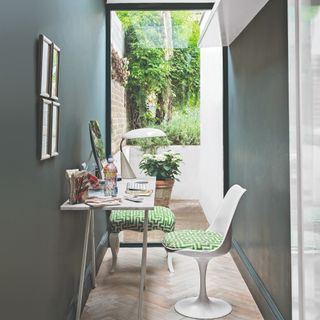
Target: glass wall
{"points": [[304, 60]]}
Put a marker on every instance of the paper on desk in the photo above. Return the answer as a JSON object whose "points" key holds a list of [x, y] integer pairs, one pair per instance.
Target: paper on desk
{"points": [[103, 201]]}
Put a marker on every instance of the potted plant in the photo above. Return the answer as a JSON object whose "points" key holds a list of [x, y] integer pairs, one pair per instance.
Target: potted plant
{"points": [[165, 167]]}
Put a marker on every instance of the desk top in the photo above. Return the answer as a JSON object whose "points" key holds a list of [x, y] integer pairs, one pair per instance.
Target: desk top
{"points": [[146, 204]]}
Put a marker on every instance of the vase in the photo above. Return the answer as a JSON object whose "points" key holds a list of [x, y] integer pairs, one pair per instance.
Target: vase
{"points": [[163, 192]]}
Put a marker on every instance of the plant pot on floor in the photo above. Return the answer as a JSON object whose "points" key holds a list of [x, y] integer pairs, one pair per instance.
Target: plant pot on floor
{"points": [[163, 192]]}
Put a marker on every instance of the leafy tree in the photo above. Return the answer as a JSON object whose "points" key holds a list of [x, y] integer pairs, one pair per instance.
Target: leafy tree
{"points": [[148, 68], [174, 78], [185, 64]]}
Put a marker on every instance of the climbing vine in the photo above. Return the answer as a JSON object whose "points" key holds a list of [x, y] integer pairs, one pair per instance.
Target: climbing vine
{"points": [[120, 70]]}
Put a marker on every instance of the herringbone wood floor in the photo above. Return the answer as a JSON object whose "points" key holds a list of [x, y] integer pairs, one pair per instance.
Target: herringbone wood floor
{"points": [[116, 295]]}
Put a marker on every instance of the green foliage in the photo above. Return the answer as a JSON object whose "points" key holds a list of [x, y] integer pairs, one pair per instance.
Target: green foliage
{"points": [[164, 166], [185, 63], [147, 65], [184, 128], [186, 29], [174, 81], [185, 80], [151, 145]]}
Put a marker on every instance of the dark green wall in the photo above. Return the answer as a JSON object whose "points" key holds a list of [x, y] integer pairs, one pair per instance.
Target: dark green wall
{"points": [[41, 247], [259, 152]]}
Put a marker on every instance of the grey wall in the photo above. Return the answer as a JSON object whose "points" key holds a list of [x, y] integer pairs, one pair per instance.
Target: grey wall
{"points": [[259, 155], [40, 247]]}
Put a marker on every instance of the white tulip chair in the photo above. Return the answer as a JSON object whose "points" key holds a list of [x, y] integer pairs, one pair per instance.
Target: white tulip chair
{"points": [[203, 245]]}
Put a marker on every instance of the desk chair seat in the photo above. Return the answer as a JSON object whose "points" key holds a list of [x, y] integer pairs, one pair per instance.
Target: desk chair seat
{"points": [[161, 218], [203, 246], [192, 239]]}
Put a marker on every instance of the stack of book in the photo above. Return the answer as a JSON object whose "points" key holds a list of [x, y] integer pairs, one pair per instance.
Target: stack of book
{"points": [[138, 189], [103, 201]]}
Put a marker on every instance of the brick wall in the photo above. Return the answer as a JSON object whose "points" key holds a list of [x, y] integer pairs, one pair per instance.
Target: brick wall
{"points": [[120, 118], [119, 115]]}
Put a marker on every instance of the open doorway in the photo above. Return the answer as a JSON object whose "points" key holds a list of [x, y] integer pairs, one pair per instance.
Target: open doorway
{"points": [[155, 82]]}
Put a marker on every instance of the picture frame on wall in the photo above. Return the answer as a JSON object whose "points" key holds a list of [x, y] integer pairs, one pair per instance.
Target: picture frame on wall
{"points": [[45, 128], [55, 72], [49, 111], [45, 65], [54, 129]]}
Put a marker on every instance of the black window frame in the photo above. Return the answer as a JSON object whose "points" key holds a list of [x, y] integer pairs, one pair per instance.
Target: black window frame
{"points": [[135, 7]]}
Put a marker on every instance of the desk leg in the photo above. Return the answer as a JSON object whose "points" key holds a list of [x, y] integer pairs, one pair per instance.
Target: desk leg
{"points": [[83, 263], [143, 264], [93, 250]]}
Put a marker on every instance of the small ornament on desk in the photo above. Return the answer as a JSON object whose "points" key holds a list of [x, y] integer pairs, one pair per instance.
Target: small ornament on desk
{"points": [[78, 185]]}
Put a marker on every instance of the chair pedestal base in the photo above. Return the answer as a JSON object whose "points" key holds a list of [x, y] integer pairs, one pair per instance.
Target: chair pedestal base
{"points": [[203, 309]]}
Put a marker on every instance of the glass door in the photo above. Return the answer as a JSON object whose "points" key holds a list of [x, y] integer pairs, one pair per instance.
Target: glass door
{"points": [[155, 63]]}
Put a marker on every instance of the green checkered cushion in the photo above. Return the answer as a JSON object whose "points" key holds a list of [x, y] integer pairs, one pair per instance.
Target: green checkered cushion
{"points": [[193, 239], [160, 218]]}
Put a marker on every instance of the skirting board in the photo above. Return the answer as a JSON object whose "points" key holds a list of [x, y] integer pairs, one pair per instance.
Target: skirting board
{"points": [[262, 297], [100, 253], [139, 245]]}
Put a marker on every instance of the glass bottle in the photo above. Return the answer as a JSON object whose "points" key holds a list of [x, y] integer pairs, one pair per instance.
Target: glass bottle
{"points": [[110, 177]]}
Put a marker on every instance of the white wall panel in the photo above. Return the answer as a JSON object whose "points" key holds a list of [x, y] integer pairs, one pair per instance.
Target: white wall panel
{"points": [[211, 151]]}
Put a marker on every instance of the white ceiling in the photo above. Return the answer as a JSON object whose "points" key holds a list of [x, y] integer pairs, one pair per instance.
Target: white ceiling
{"points": [[227, 20]]}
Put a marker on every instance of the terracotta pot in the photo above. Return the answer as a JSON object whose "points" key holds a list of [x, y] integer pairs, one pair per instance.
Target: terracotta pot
{"points": [[163, 192]]}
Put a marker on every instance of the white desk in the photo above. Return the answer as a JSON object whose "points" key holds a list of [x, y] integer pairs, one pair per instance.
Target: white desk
{"points": [[146, 205]]}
